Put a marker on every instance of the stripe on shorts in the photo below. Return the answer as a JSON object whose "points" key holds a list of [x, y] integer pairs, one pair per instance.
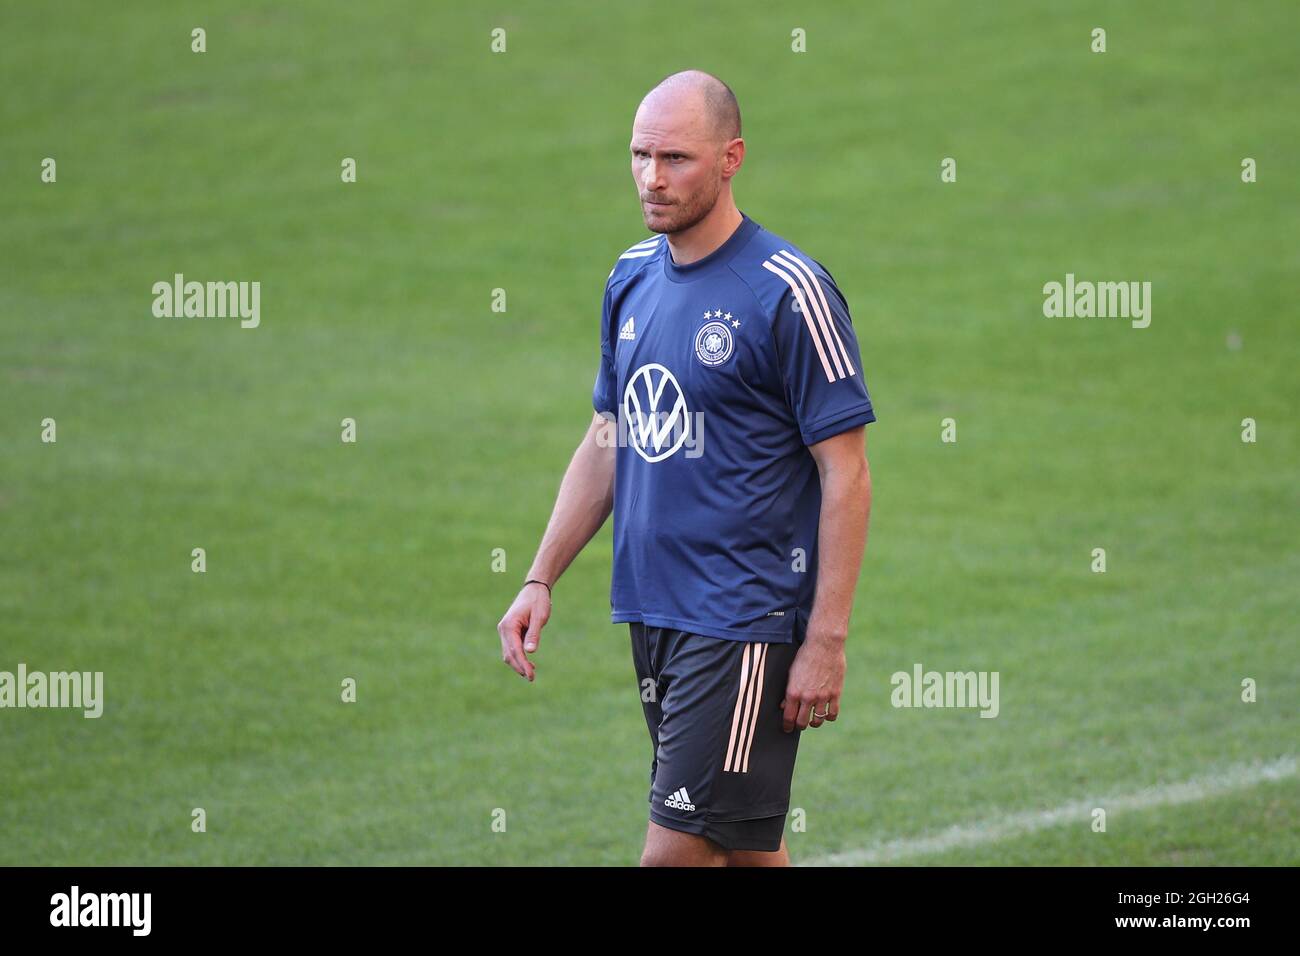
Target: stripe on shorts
{"points": [[744, 718]]}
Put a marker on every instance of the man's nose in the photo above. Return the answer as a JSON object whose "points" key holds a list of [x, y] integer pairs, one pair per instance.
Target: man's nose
{"points": [[651, 179]]}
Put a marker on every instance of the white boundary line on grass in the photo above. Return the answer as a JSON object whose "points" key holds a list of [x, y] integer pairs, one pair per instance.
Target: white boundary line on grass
{"points": [[1236, 777]]}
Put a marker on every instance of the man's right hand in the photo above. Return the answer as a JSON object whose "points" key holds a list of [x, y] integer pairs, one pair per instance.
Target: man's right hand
{"points": [[521, 628], [585, 500]]}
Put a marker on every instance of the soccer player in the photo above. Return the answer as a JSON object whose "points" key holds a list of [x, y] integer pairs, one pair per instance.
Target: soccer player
{"points": [[729, 443]]}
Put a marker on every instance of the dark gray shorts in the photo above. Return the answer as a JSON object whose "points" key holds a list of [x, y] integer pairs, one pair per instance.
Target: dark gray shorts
{"points": [[722, 763]]}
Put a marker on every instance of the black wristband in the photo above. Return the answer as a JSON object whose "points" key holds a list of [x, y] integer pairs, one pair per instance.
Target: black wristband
{"points": [[542, 583]]}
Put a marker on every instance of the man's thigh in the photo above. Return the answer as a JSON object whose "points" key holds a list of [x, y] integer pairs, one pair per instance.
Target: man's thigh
{"points": [[665, 847], [722, 762], [778, 857]]}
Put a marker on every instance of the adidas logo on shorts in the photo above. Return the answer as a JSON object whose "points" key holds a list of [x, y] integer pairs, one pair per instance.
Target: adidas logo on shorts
{"points": [[679, 800]]}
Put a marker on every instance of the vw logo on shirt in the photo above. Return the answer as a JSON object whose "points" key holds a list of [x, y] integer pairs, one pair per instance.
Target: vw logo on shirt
{"points": [[654, 407]]}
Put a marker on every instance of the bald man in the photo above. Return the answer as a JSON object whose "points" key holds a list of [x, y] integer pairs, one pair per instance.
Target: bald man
{"points": [[729, 442]]}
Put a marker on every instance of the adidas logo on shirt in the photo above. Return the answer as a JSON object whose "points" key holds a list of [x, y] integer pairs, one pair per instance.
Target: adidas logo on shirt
{"points": [[679, 800], [628, 331]]}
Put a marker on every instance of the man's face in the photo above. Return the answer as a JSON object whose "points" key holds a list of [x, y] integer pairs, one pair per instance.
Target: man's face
{"points": [[676, 167]]}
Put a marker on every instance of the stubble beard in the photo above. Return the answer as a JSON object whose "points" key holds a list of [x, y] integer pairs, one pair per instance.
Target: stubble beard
{"points": [[680, 217]]}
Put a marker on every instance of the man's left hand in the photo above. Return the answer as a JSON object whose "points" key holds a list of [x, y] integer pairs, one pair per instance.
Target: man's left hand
{"points": [[812, 691]]}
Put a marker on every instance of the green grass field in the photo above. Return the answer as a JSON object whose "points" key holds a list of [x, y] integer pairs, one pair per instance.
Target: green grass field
{"points": [[479, 171]]}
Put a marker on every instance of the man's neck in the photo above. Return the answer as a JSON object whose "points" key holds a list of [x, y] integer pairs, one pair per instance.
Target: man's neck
{"points": [[693, 244]]}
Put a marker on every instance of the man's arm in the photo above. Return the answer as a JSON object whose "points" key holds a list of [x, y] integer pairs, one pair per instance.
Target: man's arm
{"points": [[817, 674], [841, 531], [585, 500]]}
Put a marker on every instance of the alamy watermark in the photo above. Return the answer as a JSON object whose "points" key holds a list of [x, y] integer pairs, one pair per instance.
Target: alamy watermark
{"points": [[655, 435], [1102, 300], [75, 689], [922, 688], [76, 908], [179, 299]]}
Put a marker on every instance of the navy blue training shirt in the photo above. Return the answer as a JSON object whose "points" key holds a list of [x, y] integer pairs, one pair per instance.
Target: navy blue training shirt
{"points": [[720, 373]]}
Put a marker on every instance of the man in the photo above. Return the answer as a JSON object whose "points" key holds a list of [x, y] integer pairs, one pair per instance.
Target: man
{"points": [[729, 442]]}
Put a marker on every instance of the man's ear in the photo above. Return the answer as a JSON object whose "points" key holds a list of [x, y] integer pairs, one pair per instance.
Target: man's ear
{"points": [[736, 146]]}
